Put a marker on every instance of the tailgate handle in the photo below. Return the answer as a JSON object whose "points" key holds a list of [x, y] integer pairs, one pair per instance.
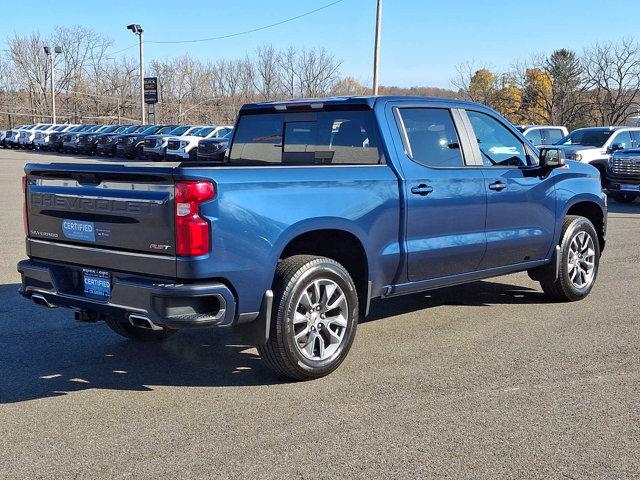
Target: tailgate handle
{"points": [[87, 178]]}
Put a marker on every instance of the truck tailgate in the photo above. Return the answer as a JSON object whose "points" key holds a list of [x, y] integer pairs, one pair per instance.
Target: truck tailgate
{"points": [[110, 206]]}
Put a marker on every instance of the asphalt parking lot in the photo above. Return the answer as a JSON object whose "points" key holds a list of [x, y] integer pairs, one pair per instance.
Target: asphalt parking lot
{"points": [[487, 380]]}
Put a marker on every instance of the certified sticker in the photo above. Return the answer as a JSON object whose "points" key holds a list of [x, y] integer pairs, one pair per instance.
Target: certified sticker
{"points": [[76, 230]]}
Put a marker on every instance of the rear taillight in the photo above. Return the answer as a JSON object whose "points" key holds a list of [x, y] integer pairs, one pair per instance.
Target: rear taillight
{"points": [[25, 220], [193, 236]]}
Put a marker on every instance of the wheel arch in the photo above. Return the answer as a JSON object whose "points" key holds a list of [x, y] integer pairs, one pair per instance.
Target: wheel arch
{"points": [[340, 244], [593, 211]]}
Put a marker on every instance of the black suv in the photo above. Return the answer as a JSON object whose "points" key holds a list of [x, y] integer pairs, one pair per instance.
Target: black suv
{"points": [[131, 146], [622, 175]]}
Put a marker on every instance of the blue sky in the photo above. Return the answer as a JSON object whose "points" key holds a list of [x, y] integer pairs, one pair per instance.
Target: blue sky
{"points": [[422, 41]]}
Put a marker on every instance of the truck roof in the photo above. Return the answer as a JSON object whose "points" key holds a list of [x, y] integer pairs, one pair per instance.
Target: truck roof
{"points": [[359, 101]]}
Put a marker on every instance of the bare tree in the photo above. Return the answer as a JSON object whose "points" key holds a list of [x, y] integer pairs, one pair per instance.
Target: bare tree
{"points": [[612, 72]]}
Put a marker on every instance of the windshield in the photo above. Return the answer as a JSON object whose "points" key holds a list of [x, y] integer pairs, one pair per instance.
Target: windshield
{"points": [[180, 130], [120, 129], [203, 132], [109, 129], [148, 130], [60, 128], [133, 129], [588, 137], [167, 129], [43, 127]]}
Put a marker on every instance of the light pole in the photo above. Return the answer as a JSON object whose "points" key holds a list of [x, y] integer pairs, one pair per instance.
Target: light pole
{"points": [[51, 56], [137, 29], [376, 52]]}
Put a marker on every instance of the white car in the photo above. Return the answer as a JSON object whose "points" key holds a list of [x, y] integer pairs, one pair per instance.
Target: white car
{"points": [[596, 144], [543, 134], [186, 147], [27, 136], [41, 139], [13, 135], [155, 146]]}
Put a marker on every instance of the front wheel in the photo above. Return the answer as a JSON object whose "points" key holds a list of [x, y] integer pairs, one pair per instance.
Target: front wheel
{"points": [[314, 318], [579, 261]]}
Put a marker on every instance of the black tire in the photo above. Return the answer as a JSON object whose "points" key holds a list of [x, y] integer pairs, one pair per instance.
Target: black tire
{"points": [[139, 155], [561, 288], [193, 155], [124, 328], [293, 275], [623, 197]]}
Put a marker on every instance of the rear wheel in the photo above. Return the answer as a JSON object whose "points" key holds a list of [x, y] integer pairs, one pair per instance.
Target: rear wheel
{"points": [[314, 318], [124, 328], [579, 261], [193, 154], [624, 197]]}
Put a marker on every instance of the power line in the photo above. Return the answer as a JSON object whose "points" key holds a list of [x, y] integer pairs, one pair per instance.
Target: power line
{"points": [[230, 35]]}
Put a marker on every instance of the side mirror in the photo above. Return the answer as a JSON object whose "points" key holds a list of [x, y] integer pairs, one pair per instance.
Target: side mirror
{"points": [[552, 157], [617, 146]]}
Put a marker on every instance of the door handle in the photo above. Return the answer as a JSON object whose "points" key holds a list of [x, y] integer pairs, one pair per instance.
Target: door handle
{"points": [[497, 186], [422, 189]]}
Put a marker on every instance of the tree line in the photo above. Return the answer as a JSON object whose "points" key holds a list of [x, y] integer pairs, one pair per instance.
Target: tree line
{"points": [[600, 86]]}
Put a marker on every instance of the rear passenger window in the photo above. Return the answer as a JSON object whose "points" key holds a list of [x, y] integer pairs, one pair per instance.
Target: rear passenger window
{"points": [[635, 139], [309, 138], [553, 135], [432, 137]]}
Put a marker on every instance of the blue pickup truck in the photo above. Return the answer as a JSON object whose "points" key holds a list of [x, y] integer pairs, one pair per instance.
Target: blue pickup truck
{"points": [[318, 207]]}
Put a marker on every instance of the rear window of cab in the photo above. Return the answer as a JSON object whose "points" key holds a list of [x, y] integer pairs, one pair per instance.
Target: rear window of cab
{"points": [[307, 138]]}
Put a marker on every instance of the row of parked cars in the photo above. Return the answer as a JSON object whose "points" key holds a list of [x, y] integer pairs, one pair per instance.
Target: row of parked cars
{"points": [[614, 151], [148, 142]]}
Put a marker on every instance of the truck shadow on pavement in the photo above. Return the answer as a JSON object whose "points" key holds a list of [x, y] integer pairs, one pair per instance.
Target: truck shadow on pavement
{"points": [[44, 353]]}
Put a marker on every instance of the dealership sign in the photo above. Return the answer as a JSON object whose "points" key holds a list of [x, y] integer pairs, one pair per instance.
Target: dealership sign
{"points": [[151, 90]]}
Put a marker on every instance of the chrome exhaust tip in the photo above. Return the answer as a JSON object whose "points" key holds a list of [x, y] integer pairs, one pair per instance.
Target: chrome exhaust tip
{"points": [[40, 300], [141, 321]]}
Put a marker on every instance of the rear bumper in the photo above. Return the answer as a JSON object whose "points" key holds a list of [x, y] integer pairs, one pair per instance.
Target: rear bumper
{"points": [[202, 304]]}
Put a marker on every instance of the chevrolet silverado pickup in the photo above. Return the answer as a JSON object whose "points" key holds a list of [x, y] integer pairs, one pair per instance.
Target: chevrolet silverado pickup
{"points": [[320, 206]]}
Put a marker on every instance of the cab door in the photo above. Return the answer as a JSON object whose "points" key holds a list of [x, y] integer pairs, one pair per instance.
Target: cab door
{"points": [[446, 199], [521, 202]]}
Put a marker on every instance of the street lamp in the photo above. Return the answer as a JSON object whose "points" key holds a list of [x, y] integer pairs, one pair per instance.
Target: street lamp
{"points": [[137, 30], [51, 56]]}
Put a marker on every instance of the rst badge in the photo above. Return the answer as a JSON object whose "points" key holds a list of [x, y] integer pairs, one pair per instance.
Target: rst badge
{"points": [[155, 246]]}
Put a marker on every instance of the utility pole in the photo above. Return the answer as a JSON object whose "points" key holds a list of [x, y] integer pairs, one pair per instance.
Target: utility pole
{"points": [[52, 56], [137, 30], [376, 52]]}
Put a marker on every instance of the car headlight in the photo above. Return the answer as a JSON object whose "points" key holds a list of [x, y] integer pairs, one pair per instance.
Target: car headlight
{"points": [[130, 140], [91, 138], [577, 157], [110, 139], [183, 144]]}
